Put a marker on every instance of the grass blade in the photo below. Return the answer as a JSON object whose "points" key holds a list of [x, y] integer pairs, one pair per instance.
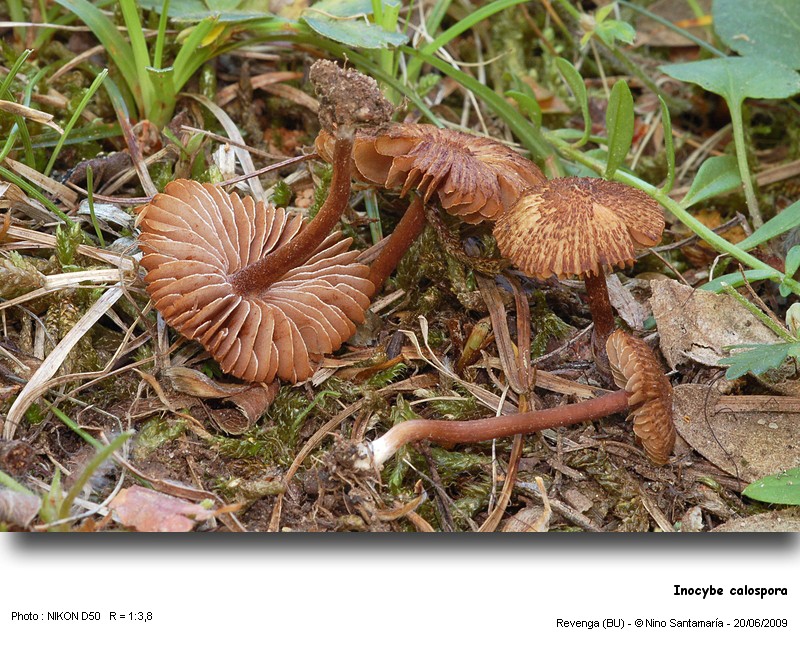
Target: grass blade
{"points": [[619, 126], [191, 55], [525, 132], [669, 146], [78, 110], [106, 32]]}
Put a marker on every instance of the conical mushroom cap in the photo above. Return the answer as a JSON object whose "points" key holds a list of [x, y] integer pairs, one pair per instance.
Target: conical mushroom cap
{"points": [[636, 370], [194, 237], [578, 225], [475, 178]]}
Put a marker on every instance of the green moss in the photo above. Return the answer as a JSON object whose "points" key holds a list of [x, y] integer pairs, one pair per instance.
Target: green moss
{"points": [[19, 274], [274, 441], [621, 486], [463, 408], [34, 414], [453, 465], [155, 433], [321, 191], [387, 376], [68, 238], [546, 325], [281, 195], [474, 496]]}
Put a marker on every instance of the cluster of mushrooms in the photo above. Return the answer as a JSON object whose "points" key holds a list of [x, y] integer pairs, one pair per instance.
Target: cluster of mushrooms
{"points": [[269, 295]]}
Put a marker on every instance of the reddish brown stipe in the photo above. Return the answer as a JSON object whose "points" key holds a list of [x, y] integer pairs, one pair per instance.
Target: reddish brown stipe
{"points": [[646, 392]]}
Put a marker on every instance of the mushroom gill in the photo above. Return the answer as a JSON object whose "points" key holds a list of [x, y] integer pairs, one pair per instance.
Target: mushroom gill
{"points": [[475, 178], [636, 371], [195, 238]]}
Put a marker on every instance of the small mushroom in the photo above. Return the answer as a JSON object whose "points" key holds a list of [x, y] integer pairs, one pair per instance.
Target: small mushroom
{"points": [[579, 226], [650, 393], [646, 392], [197, 238], [474, 178]]}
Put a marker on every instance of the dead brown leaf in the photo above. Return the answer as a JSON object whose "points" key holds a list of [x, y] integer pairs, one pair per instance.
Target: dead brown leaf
{"points": [[629, 309], [18, 508], [787, 520], [150, 511], [748, 444], [696, 325]]}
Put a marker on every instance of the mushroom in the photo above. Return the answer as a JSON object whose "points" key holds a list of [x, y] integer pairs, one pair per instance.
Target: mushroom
{"points": [[348, 99], [637, 372], [645, 391], [474, 177], [578, 226], [197, 240]]}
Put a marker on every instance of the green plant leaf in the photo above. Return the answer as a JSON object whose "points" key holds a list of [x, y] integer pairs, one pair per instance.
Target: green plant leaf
{"points": [[737, 279], [735, 79], [739, 78], [787, 219], [767, 28], [781, 488], [224, 11], [619, 126], [529, 135], [669, 146], [760, 359], [790, 266], [529, 105], [106, 32], [192, 54], [577, 86], [716, 176], [792, 261], [610, 31], [163, 83], [526, 100], [343, 21]]}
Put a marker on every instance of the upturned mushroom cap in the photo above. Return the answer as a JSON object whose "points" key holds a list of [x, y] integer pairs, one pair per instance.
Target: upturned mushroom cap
{"points": [[194, 237], [637, 371], [475, 177], [578, 225]]}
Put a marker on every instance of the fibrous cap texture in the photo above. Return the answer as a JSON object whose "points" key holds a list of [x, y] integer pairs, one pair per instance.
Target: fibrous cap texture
{"points": [[194, 237], [577, 226], [474, 177], [637, 371]]}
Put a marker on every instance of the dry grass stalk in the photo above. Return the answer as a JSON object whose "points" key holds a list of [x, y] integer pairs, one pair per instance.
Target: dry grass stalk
{"points": [[39, 383]]}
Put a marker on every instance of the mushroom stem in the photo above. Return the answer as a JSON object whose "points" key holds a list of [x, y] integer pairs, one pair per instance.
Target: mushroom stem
{"points": [[269, 269], [383, 448], [405, 233], [603, 317]]}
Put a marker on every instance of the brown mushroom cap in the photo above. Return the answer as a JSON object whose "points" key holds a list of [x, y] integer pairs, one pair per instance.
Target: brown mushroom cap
{"points": [[476, 178], [195, 236], [637, 371], [578, 225]]}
